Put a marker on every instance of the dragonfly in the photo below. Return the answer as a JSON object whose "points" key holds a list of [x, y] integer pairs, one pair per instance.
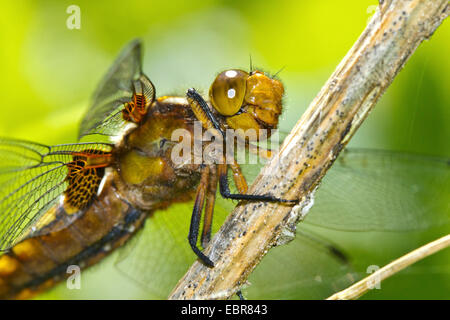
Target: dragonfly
{"points": [[74, 204]]}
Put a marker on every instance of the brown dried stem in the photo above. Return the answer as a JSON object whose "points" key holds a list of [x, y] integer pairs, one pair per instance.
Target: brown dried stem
{"points": [[395, 31]]}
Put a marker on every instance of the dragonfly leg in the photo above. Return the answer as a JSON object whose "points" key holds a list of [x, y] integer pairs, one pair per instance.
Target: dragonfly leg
{"points": [[226, 193], [209, 206], [238, 177], [203, 112], [196, 215], [240, 295]]}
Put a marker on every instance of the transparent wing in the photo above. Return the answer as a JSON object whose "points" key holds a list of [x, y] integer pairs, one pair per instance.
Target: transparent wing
{"points": [[159, 255], [117, 88], [383, 191], [376, 190], [301, 269], [32, 179]]}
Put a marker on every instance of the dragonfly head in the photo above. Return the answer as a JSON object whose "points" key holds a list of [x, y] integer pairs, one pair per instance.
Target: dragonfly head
{"points": [[247, 100]]}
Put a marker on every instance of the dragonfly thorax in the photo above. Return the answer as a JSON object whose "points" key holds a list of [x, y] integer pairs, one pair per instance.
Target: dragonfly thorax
{"points": [[147, 171]]}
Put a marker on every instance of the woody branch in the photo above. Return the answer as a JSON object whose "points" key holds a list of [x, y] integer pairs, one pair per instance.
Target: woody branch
{"points": [[393, 34]]}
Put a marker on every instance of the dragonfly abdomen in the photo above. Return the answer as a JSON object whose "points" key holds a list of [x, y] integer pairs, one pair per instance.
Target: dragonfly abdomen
{"points": [[39, 262]]}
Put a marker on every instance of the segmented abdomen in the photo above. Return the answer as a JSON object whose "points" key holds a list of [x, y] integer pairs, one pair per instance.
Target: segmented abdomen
{"points": [[41, 261]]}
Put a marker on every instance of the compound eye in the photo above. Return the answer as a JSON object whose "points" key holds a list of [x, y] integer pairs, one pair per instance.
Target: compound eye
{"points": [[228, 90]]}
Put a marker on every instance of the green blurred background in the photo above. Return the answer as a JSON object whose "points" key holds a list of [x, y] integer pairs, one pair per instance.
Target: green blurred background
{"points": [[49, 73]]}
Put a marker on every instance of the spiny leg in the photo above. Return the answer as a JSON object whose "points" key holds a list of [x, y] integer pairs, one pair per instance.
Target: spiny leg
{"points": [[196, 216], [226, 193], [238, 177], [241, 184], [203, 112], [209, 207]]}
